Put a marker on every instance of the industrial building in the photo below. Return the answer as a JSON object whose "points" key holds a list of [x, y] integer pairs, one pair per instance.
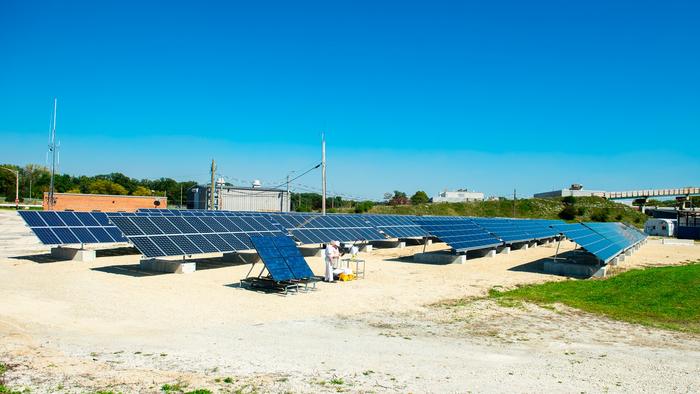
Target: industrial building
{"points": [[460, 195], [239, 198], [575, 190], [102, 202]]}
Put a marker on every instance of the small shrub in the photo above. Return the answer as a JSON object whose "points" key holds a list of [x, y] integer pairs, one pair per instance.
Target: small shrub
{"points": [[337, 381], [568, 213], [569, 200], [601, 216]]}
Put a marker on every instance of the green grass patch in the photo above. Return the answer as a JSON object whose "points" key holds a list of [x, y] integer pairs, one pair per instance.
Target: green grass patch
{"points": [[666, 297]]}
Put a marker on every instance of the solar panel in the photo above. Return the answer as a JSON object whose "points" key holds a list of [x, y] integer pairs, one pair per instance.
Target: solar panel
{"points": [[460, 233], [282, 258], [505, 229], [158, 235], [314, 228], [590, 240], [397, 226], [68, 228]]}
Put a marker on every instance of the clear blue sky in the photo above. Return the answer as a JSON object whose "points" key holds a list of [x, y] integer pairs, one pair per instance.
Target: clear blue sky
{"points": [[489, 95]]}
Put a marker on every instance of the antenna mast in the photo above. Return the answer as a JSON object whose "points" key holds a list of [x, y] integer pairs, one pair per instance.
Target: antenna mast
{"points": [[323, 172], [52, 149]]}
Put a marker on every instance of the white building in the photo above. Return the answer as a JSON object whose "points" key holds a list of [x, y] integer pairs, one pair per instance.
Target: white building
{"points": [[574, 190], [662, 227], [460, 195]]}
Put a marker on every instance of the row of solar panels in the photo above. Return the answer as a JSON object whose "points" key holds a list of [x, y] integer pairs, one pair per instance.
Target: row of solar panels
{"points": [[373, 226], [161, 232], [604, 240]]}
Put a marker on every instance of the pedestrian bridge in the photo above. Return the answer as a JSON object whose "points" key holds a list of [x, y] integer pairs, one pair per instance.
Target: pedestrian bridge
{"points": [[684, 191]]}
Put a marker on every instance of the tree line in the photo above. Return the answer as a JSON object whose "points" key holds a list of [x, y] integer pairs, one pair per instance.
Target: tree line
{"points": [[35, 179]]}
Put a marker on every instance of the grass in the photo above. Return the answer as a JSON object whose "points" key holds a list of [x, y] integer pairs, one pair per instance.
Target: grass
{"points": [[586, 208], [666, 297]]}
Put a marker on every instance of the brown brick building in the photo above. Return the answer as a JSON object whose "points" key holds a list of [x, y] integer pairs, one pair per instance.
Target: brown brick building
{"points": [[103, 202]]}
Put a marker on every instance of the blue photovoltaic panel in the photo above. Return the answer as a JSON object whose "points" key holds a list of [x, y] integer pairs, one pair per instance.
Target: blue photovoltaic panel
{"points": [[397, 226], [590, 240], [67, 228], [460, 233], [503, 229], [613, 233], [193, 233], [313, 228], [282, 258]]}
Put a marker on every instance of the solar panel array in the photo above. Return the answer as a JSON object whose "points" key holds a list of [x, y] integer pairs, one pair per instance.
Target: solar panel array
{"points": [[604, 240], [460, 233], [397, 226], [67, 228], [172, 235], [281, 257], [314, 228]]}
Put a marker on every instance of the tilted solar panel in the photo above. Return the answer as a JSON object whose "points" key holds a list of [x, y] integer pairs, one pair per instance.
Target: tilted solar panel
{"points": [[275, 250], [174, 235], [504, 229], [397, 226], [604, 249], [68, 228], [272, 258], [460, 234]]}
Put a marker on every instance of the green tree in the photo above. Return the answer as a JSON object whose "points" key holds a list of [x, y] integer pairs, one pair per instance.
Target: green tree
{"points": [[363, 206], [399, 198], [569, 200], [420, 197], [141, 191], [104, 186], [568, 213]]}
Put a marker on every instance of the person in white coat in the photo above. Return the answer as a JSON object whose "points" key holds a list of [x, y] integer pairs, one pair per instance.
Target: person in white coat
{"points": [[330, 253]]}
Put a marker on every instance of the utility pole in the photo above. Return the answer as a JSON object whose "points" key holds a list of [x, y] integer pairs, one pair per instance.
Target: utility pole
{"points": [[213, 185], [514, 198], [323, 172], [289, 196], [181, 196], [52, 149]]}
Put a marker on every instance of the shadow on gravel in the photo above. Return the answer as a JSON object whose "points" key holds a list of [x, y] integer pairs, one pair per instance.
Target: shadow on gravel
{"points": [[571, 256], [134, 270], [45, 258]]}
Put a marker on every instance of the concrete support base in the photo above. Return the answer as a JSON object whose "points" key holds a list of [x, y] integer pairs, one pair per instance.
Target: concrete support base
{"points": [[673, 241], [505, 250], [170, 266], [311, 251], [439, 258], [628, 252], [617, 260], [428, 242], [389, 244], [520, 246], [491, 253], [532, 244], [243, 258], [74, 254], [366, 248], [573, 269]]}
